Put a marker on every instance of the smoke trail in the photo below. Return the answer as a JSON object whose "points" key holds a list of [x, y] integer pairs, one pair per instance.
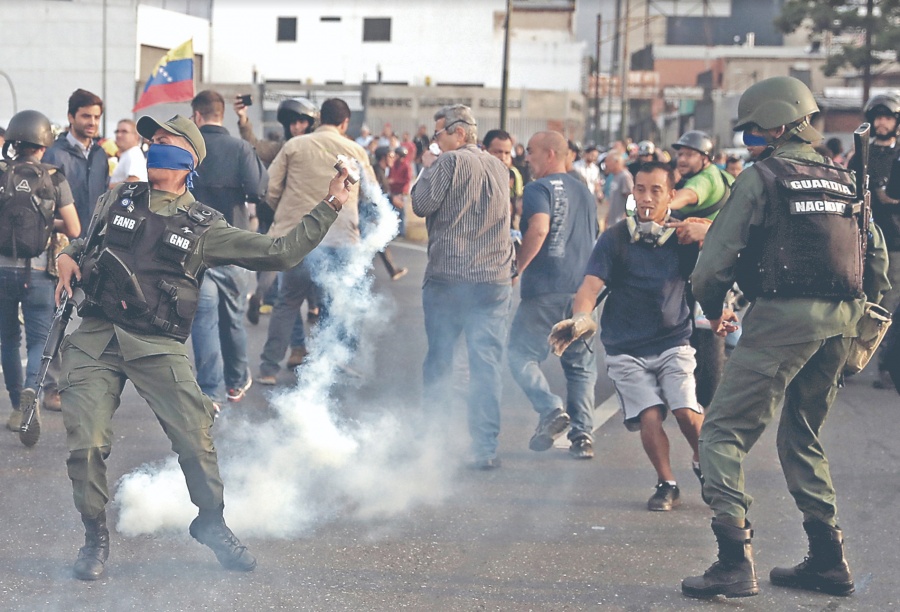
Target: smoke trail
{"points": [[307, 465]]}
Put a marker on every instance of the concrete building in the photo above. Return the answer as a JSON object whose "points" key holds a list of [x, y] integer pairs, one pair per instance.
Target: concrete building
{"points": [[51, 48]]}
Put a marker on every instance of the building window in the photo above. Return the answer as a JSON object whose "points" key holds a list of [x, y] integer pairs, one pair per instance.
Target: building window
{"points": [[287, 29], [377, 29], [335, 19]]}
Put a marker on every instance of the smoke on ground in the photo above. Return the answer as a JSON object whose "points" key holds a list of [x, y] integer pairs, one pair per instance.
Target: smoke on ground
{"points": [[308, 464]]}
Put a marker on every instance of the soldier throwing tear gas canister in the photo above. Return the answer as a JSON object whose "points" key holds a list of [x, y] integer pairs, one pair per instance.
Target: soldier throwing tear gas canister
{"points": [[792, 236], [140, 268]]}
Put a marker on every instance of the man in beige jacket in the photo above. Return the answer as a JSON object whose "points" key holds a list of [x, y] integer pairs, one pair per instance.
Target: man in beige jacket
{"points": [[294, 178]]}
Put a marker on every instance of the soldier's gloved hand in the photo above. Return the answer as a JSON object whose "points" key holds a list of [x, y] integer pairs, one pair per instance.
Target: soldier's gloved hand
{"points": [[566, 332]]}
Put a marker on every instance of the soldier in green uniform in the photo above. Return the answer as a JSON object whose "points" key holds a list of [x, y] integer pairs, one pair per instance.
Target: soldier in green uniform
{"points": [[790, 236], [142, 263]]}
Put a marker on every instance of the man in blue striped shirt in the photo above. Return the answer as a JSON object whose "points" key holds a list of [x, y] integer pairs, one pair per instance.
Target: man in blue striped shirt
{"points": [[463, 193]]}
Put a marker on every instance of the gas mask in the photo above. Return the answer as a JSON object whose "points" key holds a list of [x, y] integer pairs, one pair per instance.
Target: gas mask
{"points": [[647, 232]]}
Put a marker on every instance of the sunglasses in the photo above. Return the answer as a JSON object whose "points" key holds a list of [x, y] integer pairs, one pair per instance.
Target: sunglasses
{"points": [[447, 127]]}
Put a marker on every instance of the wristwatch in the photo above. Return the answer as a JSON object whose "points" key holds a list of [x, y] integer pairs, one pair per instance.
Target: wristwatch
{"points": [[333, 202]]}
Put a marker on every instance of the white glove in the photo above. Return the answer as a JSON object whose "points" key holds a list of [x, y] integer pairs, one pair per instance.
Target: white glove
{"points": [[566, 332]]}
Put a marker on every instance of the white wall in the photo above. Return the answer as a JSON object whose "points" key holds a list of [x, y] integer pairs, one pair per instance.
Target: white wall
{"points": [[436, 40], [166, 30], [50, 48]]}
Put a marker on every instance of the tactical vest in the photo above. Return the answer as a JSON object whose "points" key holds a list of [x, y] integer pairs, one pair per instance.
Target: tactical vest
{"points": [[810, 242], [136, 269]]}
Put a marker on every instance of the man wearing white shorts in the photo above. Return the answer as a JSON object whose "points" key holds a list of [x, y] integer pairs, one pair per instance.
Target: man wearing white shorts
{"points": [[646, 324]]}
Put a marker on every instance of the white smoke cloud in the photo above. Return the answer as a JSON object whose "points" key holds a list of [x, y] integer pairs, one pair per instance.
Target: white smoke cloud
{"points": [[307, 464]]}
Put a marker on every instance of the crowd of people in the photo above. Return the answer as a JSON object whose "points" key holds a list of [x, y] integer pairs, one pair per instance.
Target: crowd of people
{"points": [[163, 241]]}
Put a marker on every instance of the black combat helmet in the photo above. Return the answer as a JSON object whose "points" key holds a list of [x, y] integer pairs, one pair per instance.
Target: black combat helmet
{"points": [[292, 109], [32, 127], [28, 127], [696, 140], [883, 104]]}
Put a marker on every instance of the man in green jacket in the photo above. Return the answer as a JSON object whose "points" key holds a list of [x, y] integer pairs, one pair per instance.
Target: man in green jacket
{"points": [[790, 237], [140, 266]]}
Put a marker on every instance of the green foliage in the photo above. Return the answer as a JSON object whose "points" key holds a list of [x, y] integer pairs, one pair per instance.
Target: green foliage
{"points": [[847, 17]]}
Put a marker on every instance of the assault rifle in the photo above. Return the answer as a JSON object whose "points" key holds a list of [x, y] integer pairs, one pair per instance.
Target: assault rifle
{"points": [[30, 430], [860, 166]]}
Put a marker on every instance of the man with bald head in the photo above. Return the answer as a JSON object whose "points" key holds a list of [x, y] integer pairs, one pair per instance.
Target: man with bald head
{"points": [[140, 266], [559, 227]]}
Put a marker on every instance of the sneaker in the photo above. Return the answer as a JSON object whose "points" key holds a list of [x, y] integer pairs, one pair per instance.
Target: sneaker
{"points": [[14, 422], [229, 551], [667, 496], [485, 464], [549, 429], [267, 380], [399, 274], [51, 401], [582, 448], [236, 395], [297, 357], [253, 309]]}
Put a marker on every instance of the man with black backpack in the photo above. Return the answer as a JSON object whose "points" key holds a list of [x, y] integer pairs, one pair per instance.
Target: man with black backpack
{"points": [[32, 196]]}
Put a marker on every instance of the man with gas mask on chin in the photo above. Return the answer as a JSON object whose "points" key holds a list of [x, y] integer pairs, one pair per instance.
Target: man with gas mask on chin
{"points": [[140, 266], [646, 324]]}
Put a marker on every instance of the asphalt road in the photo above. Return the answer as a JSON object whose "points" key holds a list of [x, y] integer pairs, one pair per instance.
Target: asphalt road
{"points": [[396, 522]]}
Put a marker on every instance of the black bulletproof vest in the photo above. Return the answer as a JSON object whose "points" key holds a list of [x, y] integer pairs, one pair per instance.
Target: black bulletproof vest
{"points": [[809, 244], [136, 267]]}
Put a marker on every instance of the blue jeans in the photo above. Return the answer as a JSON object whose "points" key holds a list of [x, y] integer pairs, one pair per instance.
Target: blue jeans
{"points": [[528, 348], [218, 333], [37, 309], [480, 311], [294, 286]]}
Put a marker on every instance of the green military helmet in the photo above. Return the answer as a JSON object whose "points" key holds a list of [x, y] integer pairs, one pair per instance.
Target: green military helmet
{"points": [[778, 101]]}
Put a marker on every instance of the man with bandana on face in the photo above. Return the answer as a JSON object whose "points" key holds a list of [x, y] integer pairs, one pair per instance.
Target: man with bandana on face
{"points": [[790, 237], [140, 266], [645, 325]]}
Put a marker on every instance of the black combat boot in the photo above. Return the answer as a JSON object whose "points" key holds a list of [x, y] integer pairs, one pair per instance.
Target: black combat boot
{"points": [[95, 552], [825, 569], [209, 528], [733, 575]]}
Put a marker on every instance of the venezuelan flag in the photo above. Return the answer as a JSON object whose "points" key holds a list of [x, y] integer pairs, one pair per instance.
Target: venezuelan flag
{"points": [[172, 79]]}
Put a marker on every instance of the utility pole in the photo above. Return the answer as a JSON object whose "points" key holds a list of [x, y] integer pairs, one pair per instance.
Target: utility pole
{"points": [[867, 68], [504, 85], [613, 68], [625, 72], [597, 83]]}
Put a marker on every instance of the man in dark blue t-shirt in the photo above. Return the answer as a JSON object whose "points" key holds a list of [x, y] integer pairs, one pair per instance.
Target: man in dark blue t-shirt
{"points": [[559, 226], [646, 324]]}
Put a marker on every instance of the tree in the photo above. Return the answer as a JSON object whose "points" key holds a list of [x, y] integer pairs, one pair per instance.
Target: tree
{"points": [[876, 23]]}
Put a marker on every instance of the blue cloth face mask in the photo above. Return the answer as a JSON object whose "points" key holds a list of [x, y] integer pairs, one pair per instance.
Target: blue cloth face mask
{"points": [[754, 140], [171, 157]]}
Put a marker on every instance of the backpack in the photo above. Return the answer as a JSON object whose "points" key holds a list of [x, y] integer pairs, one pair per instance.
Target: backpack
{"points": [[27, 204]]}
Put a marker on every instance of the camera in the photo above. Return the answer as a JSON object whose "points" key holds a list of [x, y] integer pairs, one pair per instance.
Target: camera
{"points": [[246, 99], [350, 164]]}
